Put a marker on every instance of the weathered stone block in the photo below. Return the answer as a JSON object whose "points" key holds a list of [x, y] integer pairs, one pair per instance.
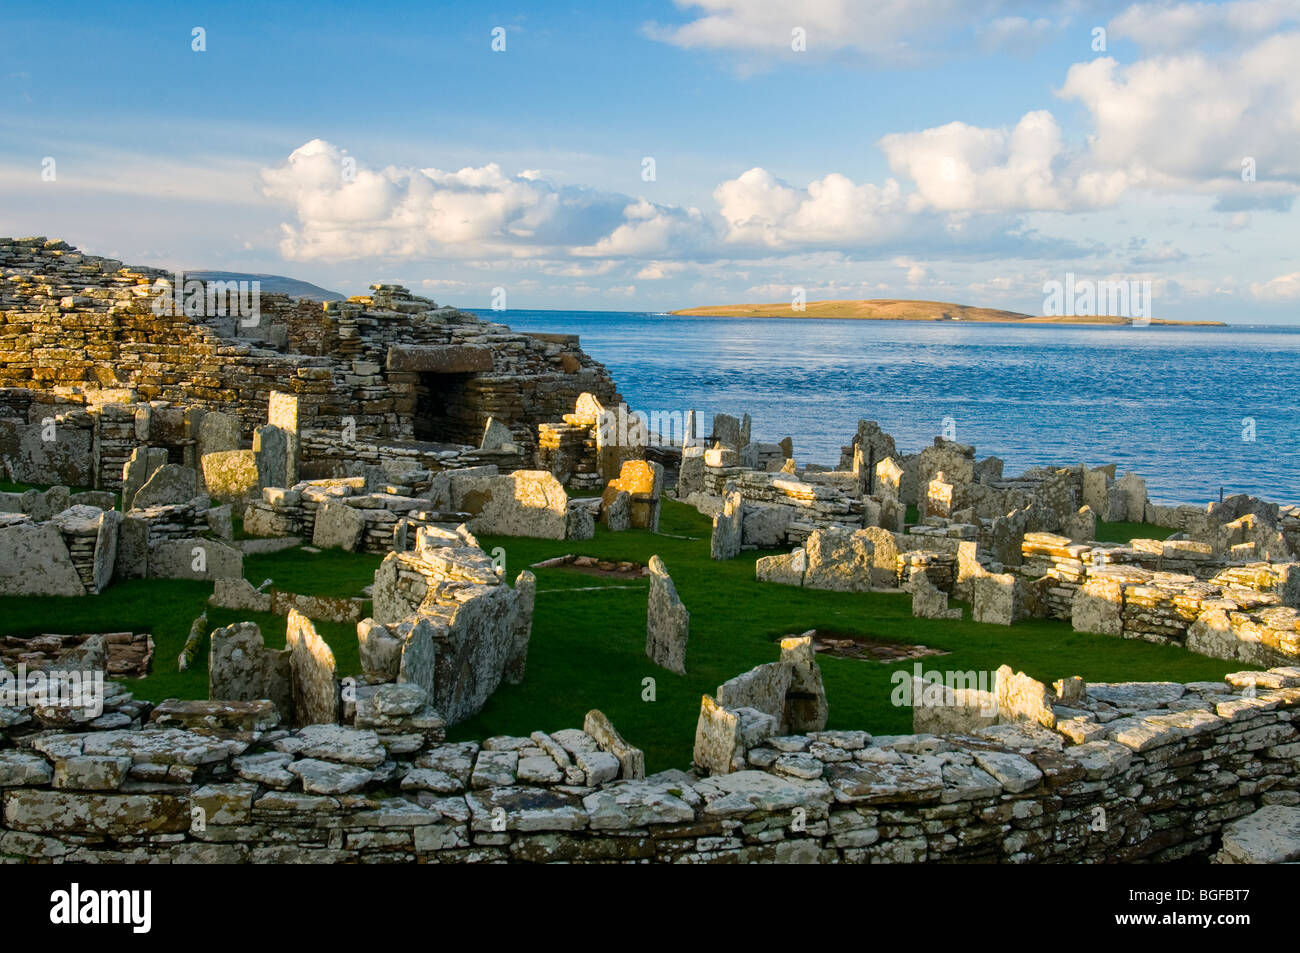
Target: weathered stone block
{"points": [[668, 622]]}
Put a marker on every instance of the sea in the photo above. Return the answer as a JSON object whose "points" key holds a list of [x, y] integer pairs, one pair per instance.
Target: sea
{"points": [[1197, 411]]}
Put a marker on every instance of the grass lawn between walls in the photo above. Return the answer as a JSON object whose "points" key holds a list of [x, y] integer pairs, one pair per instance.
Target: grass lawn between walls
{"points": [[588, 641]]}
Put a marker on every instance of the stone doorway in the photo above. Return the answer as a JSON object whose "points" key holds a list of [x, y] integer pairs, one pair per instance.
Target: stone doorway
{"points": [[442, 413]]}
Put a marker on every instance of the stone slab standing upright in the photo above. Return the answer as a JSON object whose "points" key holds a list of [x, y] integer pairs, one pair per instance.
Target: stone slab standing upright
{"points": [[728, 525], [521, 626], [311, 665], [168, 485], [668, 623], [271, 453], [106, 548], [242, 668], [34, 561], [283, 413], [137, 471]]}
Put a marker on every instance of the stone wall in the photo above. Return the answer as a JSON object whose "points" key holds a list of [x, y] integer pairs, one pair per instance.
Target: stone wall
{"points": [[1163, 769], [388, 366]]}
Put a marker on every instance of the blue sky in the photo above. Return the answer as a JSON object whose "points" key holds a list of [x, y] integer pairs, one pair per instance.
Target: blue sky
{"points": [[963, 151]]}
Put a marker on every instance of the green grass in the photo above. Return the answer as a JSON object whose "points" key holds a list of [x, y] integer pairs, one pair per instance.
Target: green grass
{"points": [[588, 647], [1126, 532], [167, 607], [588, 642]]}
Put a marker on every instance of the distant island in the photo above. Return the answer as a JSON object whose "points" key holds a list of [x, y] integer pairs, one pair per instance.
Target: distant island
{"points": [[892, 309]]}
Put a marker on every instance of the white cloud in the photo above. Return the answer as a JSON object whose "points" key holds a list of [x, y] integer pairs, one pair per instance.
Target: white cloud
{"points": [[760, 209], [965, 168], [1189, 120], [1171, 26], [1281, 288], [659, 270], [350, 211], [649, 229], [883, 30]]}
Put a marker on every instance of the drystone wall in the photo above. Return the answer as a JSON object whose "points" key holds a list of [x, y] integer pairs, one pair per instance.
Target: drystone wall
{"points": [[78, 332], [1165, 768]]}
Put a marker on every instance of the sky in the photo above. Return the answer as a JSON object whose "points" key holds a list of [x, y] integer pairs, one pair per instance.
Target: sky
{"points": [[646, 156]]}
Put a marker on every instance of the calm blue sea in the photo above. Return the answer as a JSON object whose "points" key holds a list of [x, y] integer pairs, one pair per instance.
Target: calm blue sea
{"points": [[1172, 404]]}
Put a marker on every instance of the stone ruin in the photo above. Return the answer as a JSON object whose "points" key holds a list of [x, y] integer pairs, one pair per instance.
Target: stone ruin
{"points": [[1194, 772], [1226, 583], [92, 356], [388, 425]]}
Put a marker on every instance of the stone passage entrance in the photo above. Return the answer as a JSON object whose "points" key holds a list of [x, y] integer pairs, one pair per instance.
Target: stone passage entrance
{"points": [[442, 413]]}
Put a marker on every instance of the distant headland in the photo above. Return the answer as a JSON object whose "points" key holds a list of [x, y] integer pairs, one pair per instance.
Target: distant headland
{"points": [[892, 309]]}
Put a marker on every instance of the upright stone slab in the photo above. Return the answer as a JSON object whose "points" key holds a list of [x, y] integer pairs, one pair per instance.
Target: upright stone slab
{"points": [[282, 412], [690, 478], [1098, 606], [240, 595], [1021, 698], [581, 521], [495, 435], [169, 485], [929, 602], [839, 561], [618, 512], [997, 599], [718, 748], [728, 526], [34, 561], [1134, 490], [521, 626], [726, 431], [218, 432], [668, 623], [805, 699], [312, 669], [1096, 484], [132, 549], [524, 503], [763, 688], [888, 481], [631, 759], [884, 557], [1081, 526], [338, 526], [110, 522], [137, 471], [242, 668], [271, 455], [419, 657], [380, 651], [643, 482], [231, 476], [940, 497], [765, 527], [194, 558]]}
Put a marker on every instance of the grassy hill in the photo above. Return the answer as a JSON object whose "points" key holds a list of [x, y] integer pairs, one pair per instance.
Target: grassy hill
{"points": [[894, 309]]}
